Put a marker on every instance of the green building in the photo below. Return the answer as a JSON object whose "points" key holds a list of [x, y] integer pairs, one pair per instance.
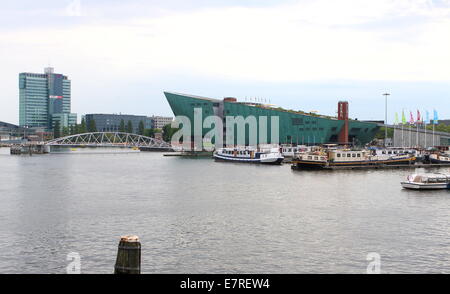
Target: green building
{"points": [[295, 127], [44, 99]]}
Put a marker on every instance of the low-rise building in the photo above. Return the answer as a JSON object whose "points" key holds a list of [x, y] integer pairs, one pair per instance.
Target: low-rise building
{"points": [[111, 122], [160, 121]]}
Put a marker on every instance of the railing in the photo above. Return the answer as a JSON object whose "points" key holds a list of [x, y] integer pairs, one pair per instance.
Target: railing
{"points": [[109, 139]]}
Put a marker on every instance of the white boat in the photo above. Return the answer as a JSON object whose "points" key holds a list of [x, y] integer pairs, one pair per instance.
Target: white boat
{"points": [[427, 181], [440, 158], [249, 155], [395, 151], [291, 151]]}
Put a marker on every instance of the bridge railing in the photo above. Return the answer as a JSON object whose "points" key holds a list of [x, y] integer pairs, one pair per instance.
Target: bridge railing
{"points": [[109, 139]]}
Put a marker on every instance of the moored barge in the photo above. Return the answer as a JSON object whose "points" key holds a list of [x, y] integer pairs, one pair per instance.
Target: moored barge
{"points": [[329, 159]]}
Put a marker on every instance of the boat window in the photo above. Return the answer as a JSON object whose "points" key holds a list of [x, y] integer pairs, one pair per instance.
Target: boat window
{"points": [[348, 154], [353, 155], [359, 154], [390, 152], [309, 157], [316, 158], [384, 152], [338, 155]]}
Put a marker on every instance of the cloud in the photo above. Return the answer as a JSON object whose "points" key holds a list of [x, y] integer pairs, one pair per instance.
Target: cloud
{"points": [[301, 41], [309, 40]]}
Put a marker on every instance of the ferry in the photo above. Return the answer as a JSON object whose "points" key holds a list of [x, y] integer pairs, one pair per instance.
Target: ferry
{"points": [[348, 158], [248, 155], [427, 181]]}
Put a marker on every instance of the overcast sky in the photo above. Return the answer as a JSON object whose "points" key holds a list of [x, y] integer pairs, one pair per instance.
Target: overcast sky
{"points": [[302, 55]]}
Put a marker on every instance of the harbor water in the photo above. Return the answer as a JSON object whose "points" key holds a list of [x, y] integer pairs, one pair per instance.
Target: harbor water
{"points": [[201, 216]]}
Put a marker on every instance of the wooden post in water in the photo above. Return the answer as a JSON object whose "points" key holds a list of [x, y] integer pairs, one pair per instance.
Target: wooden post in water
{"points": [[128, 256]]}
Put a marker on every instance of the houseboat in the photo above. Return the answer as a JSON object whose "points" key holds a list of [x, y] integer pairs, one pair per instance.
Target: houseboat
{"points": [[249, 155], [348, 158]]}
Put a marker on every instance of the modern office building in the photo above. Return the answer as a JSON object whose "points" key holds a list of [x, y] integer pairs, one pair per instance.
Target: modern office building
{"points": [[111, 122], [44, 99], [160, 121]]}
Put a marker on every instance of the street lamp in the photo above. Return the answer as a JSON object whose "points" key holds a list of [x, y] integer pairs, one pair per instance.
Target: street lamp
{"points": [[385, 119]]}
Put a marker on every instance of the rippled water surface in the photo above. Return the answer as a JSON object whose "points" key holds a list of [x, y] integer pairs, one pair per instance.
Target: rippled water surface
{"points": [[199, 216]]}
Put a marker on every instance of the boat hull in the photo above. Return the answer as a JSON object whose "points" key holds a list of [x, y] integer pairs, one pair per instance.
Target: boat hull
{"points": [[421, 186], [305, 164], [274, 161], [437, 161]]}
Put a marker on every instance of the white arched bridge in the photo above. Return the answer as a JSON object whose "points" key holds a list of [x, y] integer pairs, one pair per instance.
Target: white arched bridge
{"points": [[110, 139]]}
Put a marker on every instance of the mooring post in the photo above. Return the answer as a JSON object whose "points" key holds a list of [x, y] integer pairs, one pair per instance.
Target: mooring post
{"points": [[128, 256]]}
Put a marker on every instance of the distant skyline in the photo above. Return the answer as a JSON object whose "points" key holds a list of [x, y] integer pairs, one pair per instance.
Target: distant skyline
{"points": [[302, 55]]}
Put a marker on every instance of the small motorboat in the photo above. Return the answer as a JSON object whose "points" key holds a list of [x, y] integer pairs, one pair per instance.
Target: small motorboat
{"points": [[427, 181]]}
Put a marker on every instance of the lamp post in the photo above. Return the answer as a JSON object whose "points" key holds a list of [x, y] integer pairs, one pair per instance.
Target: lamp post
{"points": [[385, 119]]}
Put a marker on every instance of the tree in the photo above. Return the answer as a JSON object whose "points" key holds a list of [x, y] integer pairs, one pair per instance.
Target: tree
{"points": [[65, 131], [168, 132], [381, 133], [57, 130], [149, 132], [129, 128], [122, 126], [141, 128], [82, 128], [91, 126]]}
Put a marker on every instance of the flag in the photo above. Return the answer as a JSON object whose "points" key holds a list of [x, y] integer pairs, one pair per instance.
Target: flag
{"points": [[418, 117], [396, 119], [411, 119], [403, 117], [427, 120], [435, 117]]}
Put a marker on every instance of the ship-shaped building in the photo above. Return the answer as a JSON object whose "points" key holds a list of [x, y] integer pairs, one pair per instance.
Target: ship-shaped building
{"points": [[295, 127]]}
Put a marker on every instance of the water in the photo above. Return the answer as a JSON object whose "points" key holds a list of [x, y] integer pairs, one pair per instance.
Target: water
{"points": [[199, 216]]}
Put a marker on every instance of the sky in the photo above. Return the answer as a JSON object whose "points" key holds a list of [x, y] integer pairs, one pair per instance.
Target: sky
{"points": [[301, 55]]}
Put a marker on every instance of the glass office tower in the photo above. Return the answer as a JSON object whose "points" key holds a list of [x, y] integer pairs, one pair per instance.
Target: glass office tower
{"points": [[45, 98]]}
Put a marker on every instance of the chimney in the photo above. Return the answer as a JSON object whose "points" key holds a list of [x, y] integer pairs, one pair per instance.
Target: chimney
{"points": [[343, 115]]}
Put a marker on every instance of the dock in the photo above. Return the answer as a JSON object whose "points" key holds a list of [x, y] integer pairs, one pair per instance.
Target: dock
{"points": [[398, 166], [190, 154], [29, 149]]}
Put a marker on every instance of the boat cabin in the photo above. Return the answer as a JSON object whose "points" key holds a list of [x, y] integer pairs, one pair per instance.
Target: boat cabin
{"points": [[348, 155], [429, 178]]}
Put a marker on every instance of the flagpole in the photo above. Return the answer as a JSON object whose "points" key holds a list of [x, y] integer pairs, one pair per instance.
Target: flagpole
{"points": [[385, 120], [411, 123], [417, 136], [433, 133], [403, 141]]}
